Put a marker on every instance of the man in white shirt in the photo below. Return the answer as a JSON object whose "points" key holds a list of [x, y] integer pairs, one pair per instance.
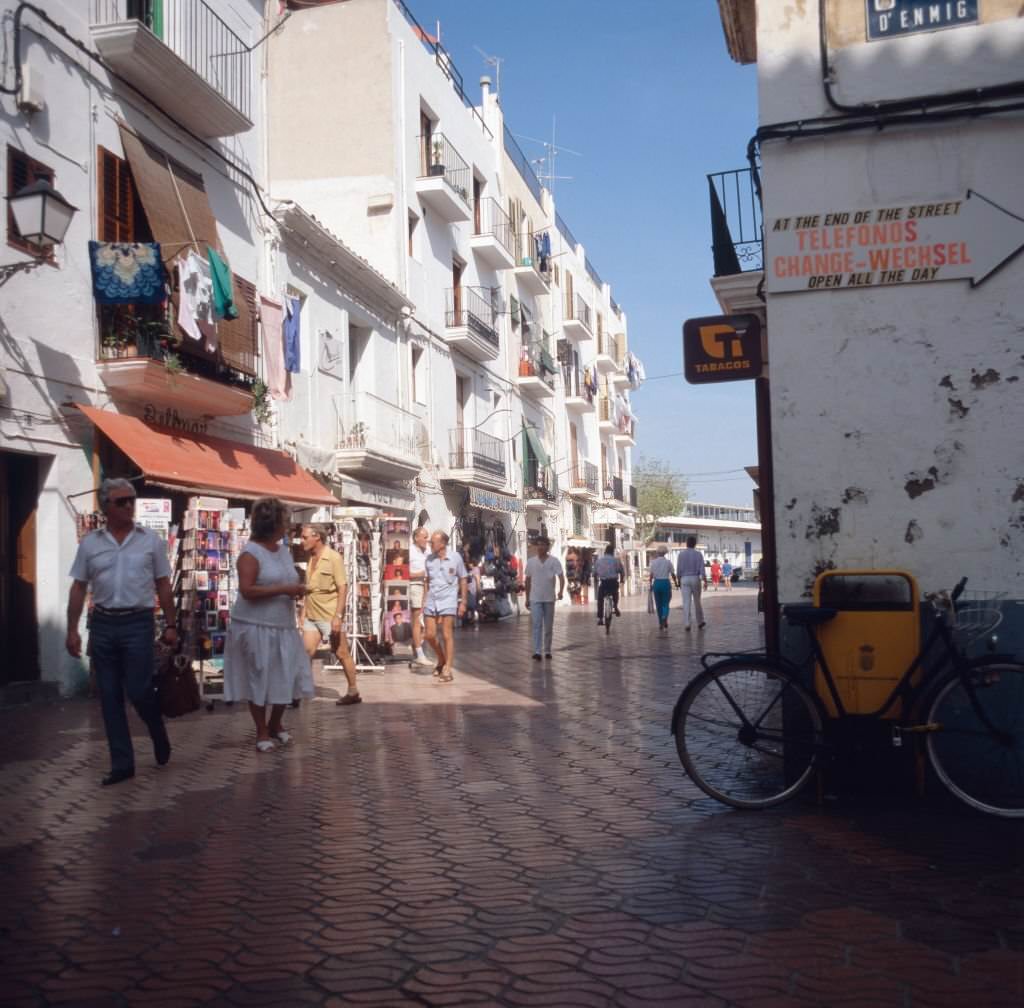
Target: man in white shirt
{"points": [[690, 574], [444, 600], [418, 554], [124, 563], [542, 571]]}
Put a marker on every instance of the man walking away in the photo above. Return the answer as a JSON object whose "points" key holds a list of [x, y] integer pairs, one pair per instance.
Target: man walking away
{"points": [[323, 607], [690, 574], [418, 553], [542, 571], [609, 573], [123, 563], [661, 585], [444, 599]]}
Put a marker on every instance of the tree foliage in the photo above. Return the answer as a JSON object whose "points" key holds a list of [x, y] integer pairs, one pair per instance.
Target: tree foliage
{"points": [[660, 493]]}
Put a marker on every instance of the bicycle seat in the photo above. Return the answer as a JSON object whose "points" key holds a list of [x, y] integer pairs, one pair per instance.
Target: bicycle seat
{"points": [[805, 614]]}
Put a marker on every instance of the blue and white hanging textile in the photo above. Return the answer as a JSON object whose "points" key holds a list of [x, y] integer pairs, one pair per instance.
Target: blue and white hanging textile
{"points": [[127, 272]]}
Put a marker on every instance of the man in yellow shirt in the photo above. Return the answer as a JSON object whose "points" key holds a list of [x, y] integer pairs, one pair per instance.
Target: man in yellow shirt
{"points": [[323, 608]]}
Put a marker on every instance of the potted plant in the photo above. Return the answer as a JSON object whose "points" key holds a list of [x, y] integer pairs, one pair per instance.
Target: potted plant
{"points": [[437, 158], [261, 402]]}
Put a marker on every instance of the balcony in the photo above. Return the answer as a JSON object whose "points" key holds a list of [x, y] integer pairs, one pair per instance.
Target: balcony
{"points": [[540, 485], [576, 322], [583, 481], [471, 323], [625, 431], [579, 397], [140, 363], [492, 240], [537, 369], [182, 57], [476, 458], [606, 415], [445, 180], [619, 377], [532, 270], [604, 362], [737, 236], [378, 440]]}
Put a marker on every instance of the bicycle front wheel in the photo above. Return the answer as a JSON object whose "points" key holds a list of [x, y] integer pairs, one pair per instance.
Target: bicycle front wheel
{"points": [[748, 734], [976, 744], [609, 612]]}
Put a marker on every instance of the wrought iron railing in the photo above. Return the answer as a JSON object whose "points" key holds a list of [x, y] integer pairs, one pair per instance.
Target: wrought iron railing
{"points": [[528, 254], [195, 33], [737, 225], [577, 309], [584, 476], [445, 63], [632, 496], [470, 449], [472, 308], [539, 481], [368, 422], [439, 157], [613, 489], [492, 220], [537, 360], [523, 166]]}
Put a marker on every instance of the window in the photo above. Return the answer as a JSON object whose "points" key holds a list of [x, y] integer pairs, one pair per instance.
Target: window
{"points": [[413, 221], [121, 215], [418, 385], [23, 170]]}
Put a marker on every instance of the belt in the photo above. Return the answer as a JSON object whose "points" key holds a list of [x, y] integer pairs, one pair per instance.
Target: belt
{"points": [[104, 611]]}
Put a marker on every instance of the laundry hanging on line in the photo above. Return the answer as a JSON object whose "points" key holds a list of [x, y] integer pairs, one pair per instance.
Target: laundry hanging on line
{"points": [[223, 289], [292, 333], [127, 272], [279, 382], [195, 302]]}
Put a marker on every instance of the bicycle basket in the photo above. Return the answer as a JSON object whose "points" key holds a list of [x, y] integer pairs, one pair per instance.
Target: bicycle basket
{"points": [[977, 613]]}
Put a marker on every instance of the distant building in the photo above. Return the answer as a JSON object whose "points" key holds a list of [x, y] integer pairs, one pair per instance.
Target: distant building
{"points": [[723, 531]]}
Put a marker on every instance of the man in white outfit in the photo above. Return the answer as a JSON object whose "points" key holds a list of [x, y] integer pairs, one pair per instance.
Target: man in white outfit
{"points": [[690, 573]]}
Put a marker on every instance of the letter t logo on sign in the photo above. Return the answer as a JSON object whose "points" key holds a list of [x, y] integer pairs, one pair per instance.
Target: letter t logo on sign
{"points": [[722, 348], [714, 339]]}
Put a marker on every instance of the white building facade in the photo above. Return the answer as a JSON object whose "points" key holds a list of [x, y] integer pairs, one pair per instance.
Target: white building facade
{"points": [[891, 284], [338, 168]]}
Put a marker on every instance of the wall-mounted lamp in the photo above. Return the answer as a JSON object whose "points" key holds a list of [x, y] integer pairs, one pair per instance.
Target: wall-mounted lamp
{"points": [[42, 215]]}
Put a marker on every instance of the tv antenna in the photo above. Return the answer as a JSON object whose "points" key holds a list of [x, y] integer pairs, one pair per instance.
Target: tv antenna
{"points": [[494, 61], [551, 151]]}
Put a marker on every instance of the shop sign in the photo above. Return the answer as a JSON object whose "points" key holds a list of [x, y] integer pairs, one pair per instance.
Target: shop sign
{"points": [[892, 18], [169, 418], [495, 501], [156, 508], [721, 348], [371, 493], [921, 242]]}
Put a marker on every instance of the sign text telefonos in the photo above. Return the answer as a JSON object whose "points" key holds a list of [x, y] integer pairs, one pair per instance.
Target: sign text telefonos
{"points": [[891, 18]]}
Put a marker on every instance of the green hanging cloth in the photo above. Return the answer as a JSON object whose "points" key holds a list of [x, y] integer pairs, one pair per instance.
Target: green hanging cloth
{"points": [[223, 291]]}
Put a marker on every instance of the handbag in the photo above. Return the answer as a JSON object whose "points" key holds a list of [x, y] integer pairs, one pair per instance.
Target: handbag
{"points": [[176, 686]]}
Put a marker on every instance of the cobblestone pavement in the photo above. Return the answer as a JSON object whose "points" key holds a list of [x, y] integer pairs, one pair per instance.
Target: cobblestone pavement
{"points": [[525, 836]]}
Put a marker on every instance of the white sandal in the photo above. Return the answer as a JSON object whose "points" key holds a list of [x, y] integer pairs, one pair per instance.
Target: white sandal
{"points": [[284, 737], [265, 745]]}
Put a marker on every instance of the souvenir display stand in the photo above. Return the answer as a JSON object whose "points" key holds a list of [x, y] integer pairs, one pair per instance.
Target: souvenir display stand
{"points": [[206, 584]]}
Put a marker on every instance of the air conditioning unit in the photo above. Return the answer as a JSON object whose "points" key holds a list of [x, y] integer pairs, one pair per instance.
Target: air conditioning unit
{"points": [[29, 98]]}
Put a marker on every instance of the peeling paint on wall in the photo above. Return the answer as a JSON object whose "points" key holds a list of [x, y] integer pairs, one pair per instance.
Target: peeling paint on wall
{"points": [[947, 382], [852, 493], [957, 409], [824, 522], [980, 381], [913, 532], [917, 485]]}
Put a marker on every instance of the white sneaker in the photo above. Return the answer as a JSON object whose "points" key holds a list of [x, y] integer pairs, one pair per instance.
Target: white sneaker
{"points": [[423, 660]]}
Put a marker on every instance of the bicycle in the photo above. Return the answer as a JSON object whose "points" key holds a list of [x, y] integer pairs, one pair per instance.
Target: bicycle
{"points": [[608, 606], [750, 733]]}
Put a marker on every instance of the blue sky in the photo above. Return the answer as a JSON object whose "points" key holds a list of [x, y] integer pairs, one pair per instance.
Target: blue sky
{"points": [[646, 92]]}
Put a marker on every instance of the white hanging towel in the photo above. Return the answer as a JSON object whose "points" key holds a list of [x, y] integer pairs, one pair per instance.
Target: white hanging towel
{"points": [[195, 303]]}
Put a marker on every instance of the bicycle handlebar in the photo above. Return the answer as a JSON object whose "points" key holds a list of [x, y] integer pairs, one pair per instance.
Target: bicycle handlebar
{"points": [[959, 589]]}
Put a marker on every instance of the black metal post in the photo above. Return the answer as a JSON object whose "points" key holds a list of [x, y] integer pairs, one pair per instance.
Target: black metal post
{"points": [[766, 483]]}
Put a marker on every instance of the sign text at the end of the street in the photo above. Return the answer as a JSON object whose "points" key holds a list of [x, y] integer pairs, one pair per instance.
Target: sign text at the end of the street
{"points": [[721, 348], [922, 242]]}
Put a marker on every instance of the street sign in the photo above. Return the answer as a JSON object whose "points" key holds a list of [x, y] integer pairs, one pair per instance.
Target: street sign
{"points": [[721, 348], [890, 18], [922, 242]]}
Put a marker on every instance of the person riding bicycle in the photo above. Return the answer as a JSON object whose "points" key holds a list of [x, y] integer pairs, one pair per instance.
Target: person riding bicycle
{"points": [[610, 574]]}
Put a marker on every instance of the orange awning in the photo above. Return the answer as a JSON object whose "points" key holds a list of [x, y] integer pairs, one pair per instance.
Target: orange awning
{"points": [[191, 462]]}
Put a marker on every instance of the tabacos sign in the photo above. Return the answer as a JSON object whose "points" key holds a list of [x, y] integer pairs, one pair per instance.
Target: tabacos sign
{"points": [[922, 242], [721, 348]]}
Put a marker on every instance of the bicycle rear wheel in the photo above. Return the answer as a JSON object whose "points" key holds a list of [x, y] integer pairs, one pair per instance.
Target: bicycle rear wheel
{"points": [[978, 751], [748, 733], [608, 612]]}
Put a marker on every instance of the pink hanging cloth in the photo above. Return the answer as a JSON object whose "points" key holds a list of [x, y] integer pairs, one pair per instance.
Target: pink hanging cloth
{"points": [[279, 382]]}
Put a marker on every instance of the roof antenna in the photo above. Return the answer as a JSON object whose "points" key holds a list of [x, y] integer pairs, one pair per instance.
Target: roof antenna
{"points": [[552, 150], [494, 61]]}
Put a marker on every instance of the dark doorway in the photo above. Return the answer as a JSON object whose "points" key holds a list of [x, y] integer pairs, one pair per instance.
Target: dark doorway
{"points": [[19, 633]]}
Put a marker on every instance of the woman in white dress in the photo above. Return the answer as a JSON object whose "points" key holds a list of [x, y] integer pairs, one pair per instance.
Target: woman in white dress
{"points": [[265, 662]]}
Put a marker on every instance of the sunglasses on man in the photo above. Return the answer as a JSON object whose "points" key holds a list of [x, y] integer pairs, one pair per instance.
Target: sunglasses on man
{"points": [[122, 501]]}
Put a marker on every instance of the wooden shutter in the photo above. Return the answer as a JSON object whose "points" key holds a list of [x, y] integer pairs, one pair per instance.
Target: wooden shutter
{"points": [[238, 337], [23, 170]]}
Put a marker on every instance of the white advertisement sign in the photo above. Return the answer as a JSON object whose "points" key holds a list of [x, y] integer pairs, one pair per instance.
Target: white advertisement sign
{"points": [[923, 242]]}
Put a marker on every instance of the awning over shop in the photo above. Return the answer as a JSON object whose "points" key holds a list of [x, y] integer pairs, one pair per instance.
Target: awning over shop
{"points": [[608, 516], [536, 447], [194, 463]]}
